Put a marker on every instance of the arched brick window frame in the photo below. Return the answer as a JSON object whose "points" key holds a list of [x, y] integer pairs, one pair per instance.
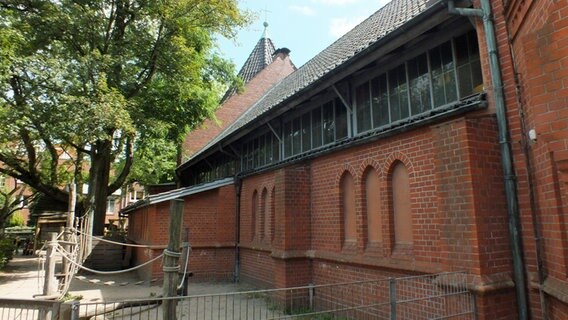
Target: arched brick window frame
{"points": [[253, 214], [399, 177], [263, 217], [272, 226], [347, 208], [372, 211]]}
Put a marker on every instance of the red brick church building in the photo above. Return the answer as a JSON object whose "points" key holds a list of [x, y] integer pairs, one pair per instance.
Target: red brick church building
{"points": [[432, 137]]}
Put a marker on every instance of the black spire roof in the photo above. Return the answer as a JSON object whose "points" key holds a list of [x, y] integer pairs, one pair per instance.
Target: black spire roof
{"points": [[260, 57]]}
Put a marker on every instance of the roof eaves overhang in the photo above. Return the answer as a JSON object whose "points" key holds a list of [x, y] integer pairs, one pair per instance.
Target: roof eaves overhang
{"points": [[176, 194], [432, 16]]}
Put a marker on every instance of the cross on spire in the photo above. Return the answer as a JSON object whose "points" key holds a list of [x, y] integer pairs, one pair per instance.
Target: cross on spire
{"points": [[265, 24]]}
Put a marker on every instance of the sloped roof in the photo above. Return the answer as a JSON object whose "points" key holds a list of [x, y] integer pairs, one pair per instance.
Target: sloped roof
{"points": [[386, 20], [176, 194], [260, 57]]}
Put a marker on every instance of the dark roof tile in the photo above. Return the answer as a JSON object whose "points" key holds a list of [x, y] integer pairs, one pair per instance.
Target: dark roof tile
{"points": [[260, 57], [385, 20]]}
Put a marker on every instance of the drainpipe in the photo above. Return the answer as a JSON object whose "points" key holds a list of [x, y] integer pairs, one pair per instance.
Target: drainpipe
{"points": [[506, 154], [537, 225], [237, 272]]}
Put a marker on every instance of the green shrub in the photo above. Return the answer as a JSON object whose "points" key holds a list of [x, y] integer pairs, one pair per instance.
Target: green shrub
{"points": [[16, 220], [7, 248]]}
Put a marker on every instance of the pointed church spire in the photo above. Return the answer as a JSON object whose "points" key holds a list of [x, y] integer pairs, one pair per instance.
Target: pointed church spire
{"points": [[260, 57]]}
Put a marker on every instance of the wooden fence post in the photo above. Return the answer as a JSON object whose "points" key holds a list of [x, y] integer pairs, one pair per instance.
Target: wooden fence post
{"points": [[69, 228], [50, 283], [171, 260]]}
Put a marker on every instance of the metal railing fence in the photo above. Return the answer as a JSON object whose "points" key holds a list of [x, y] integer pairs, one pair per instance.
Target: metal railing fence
{"points": [[440, 296], [11, 309], [432, 297]]}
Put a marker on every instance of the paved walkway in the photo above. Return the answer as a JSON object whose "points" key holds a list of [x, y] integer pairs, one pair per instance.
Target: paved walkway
{"points": [[20, 279], [23, 278]]}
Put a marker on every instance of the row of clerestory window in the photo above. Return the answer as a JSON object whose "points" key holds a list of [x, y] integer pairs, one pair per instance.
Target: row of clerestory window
{"points": [[434, 79]]}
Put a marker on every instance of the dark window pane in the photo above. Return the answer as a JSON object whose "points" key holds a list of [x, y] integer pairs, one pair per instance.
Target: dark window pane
{"points": [[473, 45], [261, 151], [296, 138], [465, 84], [476, 76], [316, 128], [469, 66], [255, 153], [462, 51], [443, 75], [340, 120], [419, 80], [275, 149], [328, 124], [244, 155], [306, 132], [363, 106], [398, 95], [380, 101], [250, 162], [269, 145], [287, 139]]}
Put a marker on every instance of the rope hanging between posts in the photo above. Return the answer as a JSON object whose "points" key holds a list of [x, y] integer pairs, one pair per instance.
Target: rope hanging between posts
{"points": [[185, 245], [120, 243], [106, 272]]}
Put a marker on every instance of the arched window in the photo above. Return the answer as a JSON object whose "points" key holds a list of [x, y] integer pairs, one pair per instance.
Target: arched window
{"points": [[373, 206], [348, 208], [262, 219], [253, 217], [272, 226], [401, 205]]}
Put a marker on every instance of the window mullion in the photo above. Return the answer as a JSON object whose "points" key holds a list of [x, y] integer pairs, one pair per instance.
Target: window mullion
{"points": [[409, 99], [387, 79], [430, 80], [371, 104], [355, 110], [455, 64]]}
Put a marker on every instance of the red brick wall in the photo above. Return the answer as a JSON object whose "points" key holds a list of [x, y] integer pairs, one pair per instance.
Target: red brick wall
{"points": [[538, 32], [557, 309], [256, 263], [416, 151], [459, 218], [257, 268], [271, 261], [237, 104], [210, 218]]}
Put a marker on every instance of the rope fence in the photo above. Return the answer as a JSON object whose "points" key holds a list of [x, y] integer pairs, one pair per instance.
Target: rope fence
{"points": [[74, 245], [70, 259]]}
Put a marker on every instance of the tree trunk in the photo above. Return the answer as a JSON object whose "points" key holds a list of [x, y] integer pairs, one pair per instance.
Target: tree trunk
{"points": [[98, 188]]}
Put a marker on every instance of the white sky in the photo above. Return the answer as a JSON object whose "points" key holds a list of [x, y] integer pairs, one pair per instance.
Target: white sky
{"points": [[306, 27]]}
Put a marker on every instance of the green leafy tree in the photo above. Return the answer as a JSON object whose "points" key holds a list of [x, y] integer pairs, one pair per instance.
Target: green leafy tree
{"points": [[11, 202], [88, 88]]}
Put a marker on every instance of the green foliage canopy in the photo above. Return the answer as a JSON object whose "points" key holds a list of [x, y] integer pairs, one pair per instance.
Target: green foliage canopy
{"points": [[87, 88]]}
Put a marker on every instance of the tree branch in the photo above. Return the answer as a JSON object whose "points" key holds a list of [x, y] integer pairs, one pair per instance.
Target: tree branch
{"points": [[148, 72], [129, 157]]}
